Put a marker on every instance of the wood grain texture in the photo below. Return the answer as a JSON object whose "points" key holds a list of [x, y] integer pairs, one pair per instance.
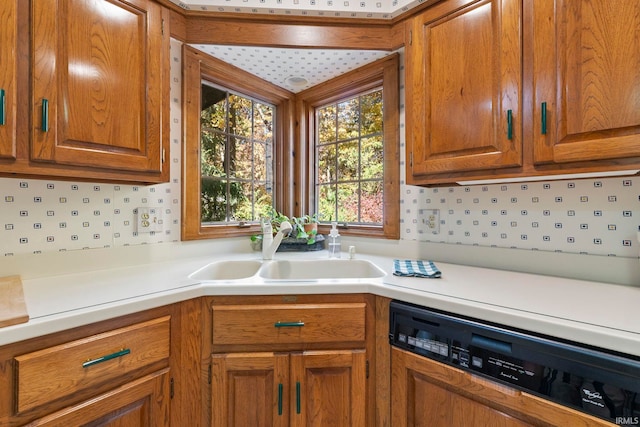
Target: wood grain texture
{"points": [[331, 374], [463, 79], [585, 64], [382, 363], [8, 77], [148, 343], [332, 388], [429, 393], [244, 390], [13, 309], [10, 417], [106, 82], [322, 323], [140, 403]]}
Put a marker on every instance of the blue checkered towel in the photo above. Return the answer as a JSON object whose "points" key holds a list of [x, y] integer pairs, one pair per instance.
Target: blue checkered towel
{"points": [[411, 268]]}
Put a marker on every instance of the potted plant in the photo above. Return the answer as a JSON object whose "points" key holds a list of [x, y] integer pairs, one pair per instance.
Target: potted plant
{"points": [[305, 230], [305, 227]]}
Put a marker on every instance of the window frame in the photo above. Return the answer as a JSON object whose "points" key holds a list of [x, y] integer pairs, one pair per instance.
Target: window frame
{"points": [[384, 73], [198, 66]]}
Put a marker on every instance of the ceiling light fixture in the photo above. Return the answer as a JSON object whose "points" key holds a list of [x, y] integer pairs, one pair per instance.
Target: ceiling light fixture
{"points": [[295, 81]]}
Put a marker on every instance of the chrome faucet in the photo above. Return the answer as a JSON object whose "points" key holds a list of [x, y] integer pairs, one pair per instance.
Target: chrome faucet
{"points": [[270, 244]]}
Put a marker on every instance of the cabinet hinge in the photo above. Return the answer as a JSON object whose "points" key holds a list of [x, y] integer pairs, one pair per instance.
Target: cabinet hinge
{"points": [[209, 374], [171, 388], [163, 151], [367, 369], [410, 37], [411, 159], [162, 27]]}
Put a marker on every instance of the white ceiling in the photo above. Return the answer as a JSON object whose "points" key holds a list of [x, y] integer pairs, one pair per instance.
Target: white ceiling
{"points": [[285, 66], [369, 9], [280, 65]]}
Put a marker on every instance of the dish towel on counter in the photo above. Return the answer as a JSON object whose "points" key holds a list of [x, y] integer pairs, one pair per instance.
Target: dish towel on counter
{"points": [[415, 268]]}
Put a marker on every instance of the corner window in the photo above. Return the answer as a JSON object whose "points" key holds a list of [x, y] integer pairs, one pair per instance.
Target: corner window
{"points": [[235, 148], [350, 160], [236, 164], [354, 152]]}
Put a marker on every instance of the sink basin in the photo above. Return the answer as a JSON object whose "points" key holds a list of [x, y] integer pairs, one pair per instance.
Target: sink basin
{"points": [[319, 269], [227, 270]]}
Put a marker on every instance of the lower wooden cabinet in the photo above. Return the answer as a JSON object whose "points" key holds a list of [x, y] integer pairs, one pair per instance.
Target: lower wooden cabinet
{"points": [[291, 361], [425, 393], [112, 373], [140, 403], [316, 388]]}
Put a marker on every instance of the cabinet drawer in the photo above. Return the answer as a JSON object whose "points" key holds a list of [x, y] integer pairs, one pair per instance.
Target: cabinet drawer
{"points": [[65, 369], [288, 324]]}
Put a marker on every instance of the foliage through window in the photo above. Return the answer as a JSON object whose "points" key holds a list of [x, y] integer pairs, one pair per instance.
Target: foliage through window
{"points": [[350, 165], [236, 138]]}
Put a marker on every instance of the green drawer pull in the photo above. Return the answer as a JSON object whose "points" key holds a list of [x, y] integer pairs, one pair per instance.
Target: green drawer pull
{"points": [[298, 409], [509, 124], [288, 324], [115, 355], [3, 106], [280, 399], [45, 115], [543, 108]]}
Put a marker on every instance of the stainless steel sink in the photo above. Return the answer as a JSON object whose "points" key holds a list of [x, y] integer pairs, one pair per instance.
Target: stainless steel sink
{"points": [[227, 270], [319, 269]]}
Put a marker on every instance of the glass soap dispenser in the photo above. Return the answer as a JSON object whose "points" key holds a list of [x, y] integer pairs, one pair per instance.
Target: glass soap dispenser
{"points": [[334, 241]]}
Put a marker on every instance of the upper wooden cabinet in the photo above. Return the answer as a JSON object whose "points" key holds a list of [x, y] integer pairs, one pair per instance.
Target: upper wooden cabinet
{"points": [[8, 73], [586, 57], [506, 89], [463, 80], [93, 89]]}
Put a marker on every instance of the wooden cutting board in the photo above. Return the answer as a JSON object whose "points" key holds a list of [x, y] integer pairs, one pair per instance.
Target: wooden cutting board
{"points": [[13, 310]]}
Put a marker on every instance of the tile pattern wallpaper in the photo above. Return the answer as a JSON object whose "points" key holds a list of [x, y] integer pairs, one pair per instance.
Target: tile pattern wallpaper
{"points": [[370, 9], [594, 216]]}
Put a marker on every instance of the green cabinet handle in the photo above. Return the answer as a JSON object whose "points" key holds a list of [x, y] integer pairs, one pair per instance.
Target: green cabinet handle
{"points": [[111, 356], [280, 387], [288, 324], [509, 124], [298, 409], [543, 108], [45, 115], [3, 111]]}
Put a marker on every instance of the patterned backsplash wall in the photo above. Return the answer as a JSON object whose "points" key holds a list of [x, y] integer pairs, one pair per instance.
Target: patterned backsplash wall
{"points": [[595, 216]]}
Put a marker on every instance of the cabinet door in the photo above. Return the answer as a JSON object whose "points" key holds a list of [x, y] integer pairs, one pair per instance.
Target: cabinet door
{"points": [[586, 57], [463, 87], [97, 83], [421, 399], [248, 389], [141, 403], [8, 106], [328, 389]]}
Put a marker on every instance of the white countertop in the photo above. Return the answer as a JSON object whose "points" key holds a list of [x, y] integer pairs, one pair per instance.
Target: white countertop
{"points": [[599, 314]]}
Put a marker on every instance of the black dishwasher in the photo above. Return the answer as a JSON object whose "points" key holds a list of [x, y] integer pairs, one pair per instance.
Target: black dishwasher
{"points": [[596, 381]]}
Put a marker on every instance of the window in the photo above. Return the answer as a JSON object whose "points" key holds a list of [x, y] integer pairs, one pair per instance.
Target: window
{"points": [[236, 164], [236, 145], [354, 154], [349, 146], [246, 148]]}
